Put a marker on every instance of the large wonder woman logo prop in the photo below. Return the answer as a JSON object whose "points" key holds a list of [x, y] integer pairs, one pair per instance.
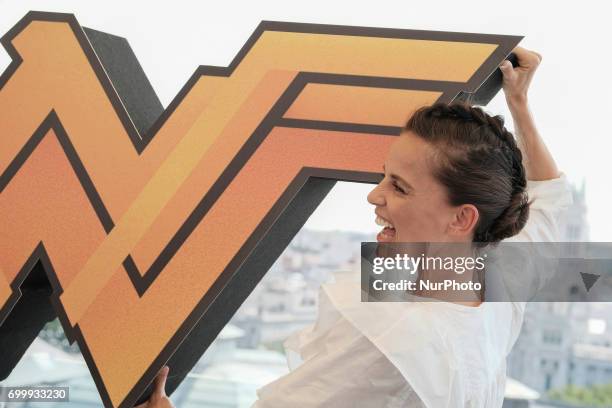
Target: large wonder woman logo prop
{"points": [[131, 216]]}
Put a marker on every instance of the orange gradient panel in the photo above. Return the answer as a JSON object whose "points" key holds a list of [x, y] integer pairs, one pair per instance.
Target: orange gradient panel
{"points": [[217, 157], [369, 56], [209, 249], [50, 50], [358, 104], [34, 209], [5, 288]]}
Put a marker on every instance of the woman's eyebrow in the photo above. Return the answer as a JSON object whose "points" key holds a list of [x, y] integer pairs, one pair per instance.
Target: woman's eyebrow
{"points": [[401, 180]]}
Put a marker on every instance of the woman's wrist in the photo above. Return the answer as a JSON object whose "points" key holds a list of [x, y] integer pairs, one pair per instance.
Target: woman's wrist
{"points": [[517, 102], [523, 120]]}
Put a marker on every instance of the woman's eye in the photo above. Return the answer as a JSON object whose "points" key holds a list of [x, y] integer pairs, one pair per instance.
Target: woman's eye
{"points": [[397, 188]]}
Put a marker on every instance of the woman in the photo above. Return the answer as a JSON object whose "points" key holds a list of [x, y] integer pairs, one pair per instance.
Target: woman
{"points": [[454, 175]]}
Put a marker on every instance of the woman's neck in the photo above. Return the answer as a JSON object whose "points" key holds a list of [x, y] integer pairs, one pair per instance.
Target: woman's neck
{"points": [[463, 289]]}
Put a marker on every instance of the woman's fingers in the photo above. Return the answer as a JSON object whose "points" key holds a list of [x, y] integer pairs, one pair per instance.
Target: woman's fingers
{"points": [[160, 382], [527, 58], [528, 61], [508, 72], [507, 68]]}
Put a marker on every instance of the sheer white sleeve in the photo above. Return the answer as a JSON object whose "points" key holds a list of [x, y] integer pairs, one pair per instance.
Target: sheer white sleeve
{"points": [[550, 200]]}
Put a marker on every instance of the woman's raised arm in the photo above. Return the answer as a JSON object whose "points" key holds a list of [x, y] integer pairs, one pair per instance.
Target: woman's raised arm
{"points": [[539, 163]]}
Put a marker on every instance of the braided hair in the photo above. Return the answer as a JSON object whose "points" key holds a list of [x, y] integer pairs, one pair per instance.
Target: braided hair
{"points": [[478, 161]]}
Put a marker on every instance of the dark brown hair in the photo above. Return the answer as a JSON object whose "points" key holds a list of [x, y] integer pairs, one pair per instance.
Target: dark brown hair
{"points": [[479, 163]]}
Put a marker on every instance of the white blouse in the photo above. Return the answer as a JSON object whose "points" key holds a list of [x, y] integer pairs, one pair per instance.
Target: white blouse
{"points": [[410, 354]]}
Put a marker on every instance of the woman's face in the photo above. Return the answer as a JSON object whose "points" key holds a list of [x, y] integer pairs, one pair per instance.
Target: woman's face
{"points": [[413, 202]]}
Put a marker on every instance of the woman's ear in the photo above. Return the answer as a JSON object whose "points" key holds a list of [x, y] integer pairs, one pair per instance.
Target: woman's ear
{"points": [[464, 221]]}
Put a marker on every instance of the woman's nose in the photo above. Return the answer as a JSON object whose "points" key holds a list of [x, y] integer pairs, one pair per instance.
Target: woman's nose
{"points": [[375, 197]]}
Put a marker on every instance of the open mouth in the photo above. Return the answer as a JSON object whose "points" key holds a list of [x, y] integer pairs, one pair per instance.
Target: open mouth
{"points": [[387, 234]]}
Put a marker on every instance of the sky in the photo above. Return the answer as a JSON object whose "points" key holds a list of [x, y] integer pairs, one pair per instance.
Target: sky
{"points": [[569, 96]]}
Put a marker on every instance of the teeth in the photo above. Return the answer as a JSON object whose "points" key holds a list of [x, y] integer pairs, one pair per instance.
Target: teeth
{"points": [[382, 222]]}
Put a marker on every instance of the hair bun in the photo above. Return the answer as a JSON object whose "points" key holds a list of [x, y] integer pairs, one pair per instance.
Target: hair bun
{"points": [[510, 222]]}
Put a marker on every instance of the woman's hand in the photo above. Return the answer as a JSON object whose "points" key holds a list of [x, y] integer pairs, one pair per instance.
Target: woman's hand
{"points": [[158, 398], [516, 80]]}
